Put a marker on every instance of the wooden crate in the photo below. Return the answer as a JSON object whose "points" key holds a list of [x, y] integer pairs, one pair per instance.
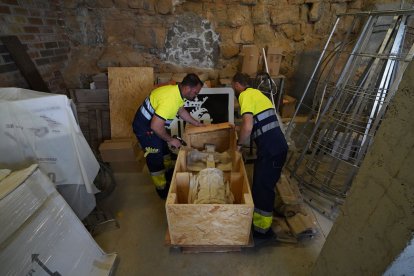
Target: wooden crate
{"points": [[92, 108], [210, 224]]}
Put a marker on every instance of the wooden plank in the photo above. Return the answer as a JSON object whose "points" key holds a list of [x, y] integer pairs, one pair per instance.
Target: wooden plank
{"points": [[190, 129], [128, 87], [99, 125], [301, 225], [90, 95], [207, 248], [236, 187], [288, 191], [183, 185], [24, 63], [209, 224]]}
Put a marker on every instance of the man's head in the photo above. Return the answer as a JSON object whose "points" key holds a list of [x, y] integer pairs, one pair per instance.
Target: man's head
{"points": [[190, 86], [240, 82]]}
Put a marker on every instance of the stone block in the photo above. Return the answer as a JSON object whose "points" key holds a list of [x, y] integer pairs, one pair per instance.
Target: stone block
{"points": [[345, 23], [120, 56], [357, 4], [226, 33], [195, 7], [304, 10], [337, 8], [244, 34], [248, 2], [260, 14], [325, 23], [238, 15], [284, 14], [229, 70], [216, 13], [263, 34], [119, 30], [150, 37], [292, 31], [121, 4], [315, 12], [229, 50], [103, 4], [147, 5], [164, 6], [296, 2]]}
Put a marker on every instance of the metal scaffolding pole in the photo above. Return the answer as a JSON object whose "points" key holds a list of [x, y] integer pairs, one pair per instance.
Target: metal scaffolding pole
{"points": [[350, 100]]}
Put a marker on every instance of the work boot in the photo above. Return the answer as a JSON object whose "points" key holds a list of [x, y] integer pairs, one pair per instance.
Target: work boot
{"points": [[163, 193], [264, 238], [168, 175]]}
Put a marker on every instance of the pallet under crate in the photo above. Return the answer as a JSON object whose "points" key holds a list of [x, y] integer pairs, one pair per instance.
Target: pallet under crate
{"points": [[212, 225], [207, 248]]}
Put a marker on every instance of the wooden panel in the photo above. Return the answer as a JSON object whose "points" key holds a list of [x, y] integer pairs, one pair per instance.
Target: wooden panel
{"points": [[90, 95], [221, 135], [208, 248], [128, 87], [209, 224], [182, 186], [236, 186]]}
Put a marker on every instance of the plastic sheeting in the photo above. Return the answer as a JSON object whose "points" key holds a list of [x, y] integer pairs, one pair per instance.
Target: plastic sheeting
{"points": [[37, 127], [40, 234]]}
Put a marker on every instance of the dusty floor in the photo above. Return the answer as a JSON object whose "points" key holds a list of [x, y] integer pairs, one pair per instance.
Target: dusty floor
{"points": [[139, 241]]}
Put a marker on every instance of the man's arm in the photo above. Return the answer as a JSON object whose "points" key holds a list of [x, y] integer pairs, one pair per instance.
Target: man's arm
{"points": [[158, 126], [183, 113], [246, 129]]}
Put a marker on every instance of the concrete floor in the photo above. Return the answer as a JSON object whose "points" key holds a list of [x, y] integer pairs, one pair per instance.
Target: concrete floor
{"points": [[139, 241]]}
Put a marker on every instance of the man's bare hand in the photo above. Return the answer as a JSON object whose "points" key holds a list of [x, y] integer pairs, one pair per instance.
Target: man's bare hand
{"points": [[199, 124], [175, 143]]}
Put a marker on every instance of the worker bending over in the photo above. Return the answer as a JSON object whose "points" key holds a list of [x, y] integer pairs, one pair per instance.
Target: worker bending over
{"points": [[260, 122], [157, 112]]}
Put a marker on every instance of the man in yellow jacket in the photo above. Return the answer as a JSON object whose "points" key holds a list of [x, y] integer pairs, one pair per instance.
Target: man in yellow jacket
{"points": [[157, 112], [259, 121]]}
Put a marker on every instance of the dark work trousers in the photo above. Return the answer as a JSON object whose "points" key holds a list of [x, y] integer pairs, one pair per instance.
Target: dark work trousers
{"points": [[266, 173], [157, 158]]}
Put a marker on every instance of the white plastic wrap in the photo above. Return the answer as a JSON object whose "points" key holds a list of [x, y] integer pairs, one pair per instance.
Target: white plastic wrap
{"points": [[37, 127], [41, 234]]}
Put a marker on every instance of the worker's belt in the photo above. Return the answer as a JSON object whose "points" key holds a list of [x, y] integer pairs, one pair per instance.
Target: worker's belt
{"points": [[264, 129], [146, 109], [264, 115]]}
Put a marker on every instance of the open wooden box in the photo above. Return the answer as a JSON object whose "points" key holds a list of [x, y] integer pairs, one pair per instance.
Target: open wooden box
{"points": [[210, 224]]}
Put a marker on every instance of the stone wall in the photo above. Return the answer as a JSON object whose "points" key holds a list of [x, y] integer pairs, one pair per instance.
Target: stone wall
{"points": [[197, 36], [38, 25]]}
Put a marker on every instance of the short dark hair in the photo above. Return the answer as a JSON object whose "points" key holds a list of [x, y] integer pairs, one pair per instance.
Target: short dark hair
{"points": [[241, 78], [191, 80]]}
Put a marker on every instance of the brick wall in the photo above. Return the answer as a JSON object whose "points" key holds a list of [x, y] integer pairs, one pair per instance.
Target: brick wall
{"points": [[39, 26]]}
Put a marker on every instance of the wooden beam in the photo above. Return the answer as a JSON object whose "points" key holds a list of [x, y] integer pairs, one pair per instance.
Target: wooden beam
{"points": [[24, 63]]}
